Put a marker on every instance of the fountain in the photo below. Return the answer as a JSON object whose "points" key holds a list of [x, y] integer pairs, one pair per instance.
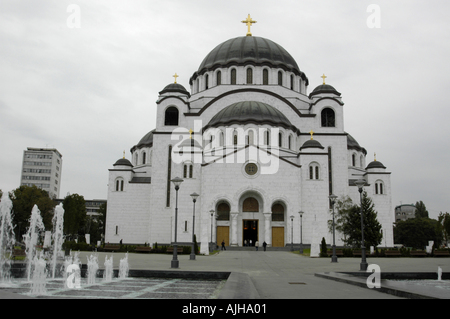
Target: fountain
{"points": [[57, 236], [92, 267], [439, 274], [32, 236], [108, 273], [123, 267], [6, 238], [39, 275]]}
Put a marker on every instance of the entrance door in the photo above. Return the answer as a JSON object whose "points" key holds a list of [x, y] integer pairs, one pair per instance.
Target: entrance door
{"points": [[250, 231], [277, 236], [223, 233]]}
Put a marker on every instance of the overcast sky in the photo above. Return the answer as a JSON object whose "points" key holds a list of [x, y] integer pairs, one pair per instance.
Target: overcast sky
{"points": [[83, 77]]}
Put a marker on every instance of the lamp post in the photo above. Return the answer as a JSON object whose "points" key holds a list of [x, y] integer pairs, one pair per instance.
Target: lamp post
{"points": [[292, 232], [301, 232], [363, 266], [334, 258], [211, 243], [194, 199], [176, 181]]}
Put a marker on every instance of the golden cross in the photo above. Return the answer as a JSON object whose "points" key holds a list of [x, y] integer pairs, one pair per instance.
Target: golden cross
{"points": [[375, 157], [175, 76], [190, 133], [123, 154], [249, 23], [323, 77], [311, 132]]}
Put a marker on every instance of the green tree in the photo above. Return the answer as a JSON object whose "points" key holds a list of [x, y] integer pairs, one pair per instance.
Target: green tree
{"points": [[416, 232], [23, 199], [421, 210], [342, 209], [74, 215], [372, 228], [444, 220]]}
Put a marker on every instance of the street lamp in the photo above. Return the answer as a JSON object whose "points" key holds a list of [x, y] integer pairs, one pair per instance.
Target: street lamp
{"points": [[194, 199], [332, 201], [212, 211], [363, 266], [176, 181], [292, 232], [301, 232]]}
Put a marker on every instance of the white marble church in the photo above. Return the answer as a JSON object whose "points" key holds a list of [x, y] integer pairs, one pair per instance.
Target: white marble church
{"points": [[255, 146]]}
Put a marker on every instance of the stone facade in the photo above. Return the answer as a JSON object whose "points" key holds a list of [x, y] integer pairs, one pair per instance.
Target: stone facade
{"points": [[254, 169]]}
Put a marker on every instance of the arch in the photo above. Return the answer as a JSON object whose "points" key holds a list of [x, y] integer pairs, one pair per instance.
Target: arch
{"points": [[223, 210], [233, 76], [265, 79], [328, 117], [206, 81], [292, 81], [250, 204], [119, 184], [278, 212], [379, 187], [219, 78], [314, 171], [171, 116], [249, 73], [144, 157], [280, 78]]}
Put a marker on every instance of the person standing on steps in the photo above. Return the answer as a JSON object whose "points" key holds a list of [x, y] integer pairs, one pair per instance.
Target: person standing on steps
{"points": [[264, 245], [223, 245], [257, 245]]}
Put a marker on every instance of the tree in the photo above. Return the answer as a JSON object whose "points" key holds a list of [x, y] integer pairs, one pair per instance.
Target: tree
{"points": [[342, 209], [352, 224], [23, 199], [421, 210], [444, 221], [416, 232], [74, 214]]}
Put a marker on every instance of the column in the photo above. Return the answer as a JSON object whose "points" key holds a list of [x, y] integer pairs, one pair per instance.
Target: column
{"points": [[234, 229], [268, 228]]}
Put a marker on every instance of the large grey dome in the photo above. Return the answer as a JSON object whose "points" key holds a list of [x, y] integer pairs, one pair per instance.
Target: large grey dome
{"points": [[250, 112], [250, 50]]}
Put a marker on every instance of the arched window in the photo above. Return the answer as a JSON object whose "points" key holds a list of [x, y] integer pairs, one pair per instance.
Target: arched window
{"points": [[221, 139], [233, 76], [250, 204], [265, 77], [290, 142], [235, 137], [314, 171], [328, 118], [144, 157], [280, 78], [206, 81], [353, 159], [223, 211], [277, 213], [219, 78], [188, 169], [171, 116], [249, 76], [379, 188], [292, 82], [119, 184], [266, 137], [280, 139]]}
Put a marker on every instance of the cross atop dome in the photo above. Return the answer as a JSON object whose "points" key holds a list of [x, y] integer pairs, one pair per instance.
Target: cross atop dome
{"points": [[323, 78], [175, 76], [249, 23]]}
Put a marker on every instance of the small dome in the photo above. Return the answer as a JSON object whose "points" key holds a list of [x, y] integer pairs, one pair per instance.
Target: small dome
{"points": [[324, 88], [123, 162], [175, 87], [250, 112], [311, 144], [375, 164], [352, 144], [146, 141], [190, 142]]}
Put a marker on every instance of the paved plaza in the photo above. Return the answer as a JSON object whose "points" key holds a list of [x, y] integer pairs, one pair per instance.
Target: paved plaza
{"points": [[267, 275]]}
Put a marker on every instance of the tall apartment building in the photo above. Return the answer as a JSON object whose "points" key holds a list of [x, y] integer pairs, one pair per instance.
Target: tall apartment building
{"points": [[42, 167]]}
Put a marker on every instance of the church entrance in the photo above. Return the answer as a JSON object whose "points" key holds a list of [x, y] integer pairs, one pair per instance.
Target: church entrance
{"points": [[250, 232]]}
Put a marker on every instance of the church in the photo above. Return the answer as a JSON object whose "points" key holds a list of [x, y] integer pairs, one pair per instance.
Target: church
{"points": [[262, 154]]}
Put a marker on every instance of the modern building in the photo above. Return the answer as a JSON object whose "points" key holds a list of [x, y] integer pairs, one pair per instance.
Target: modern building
{"points": [[42, 167], [404, 212], [256, 147]]}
